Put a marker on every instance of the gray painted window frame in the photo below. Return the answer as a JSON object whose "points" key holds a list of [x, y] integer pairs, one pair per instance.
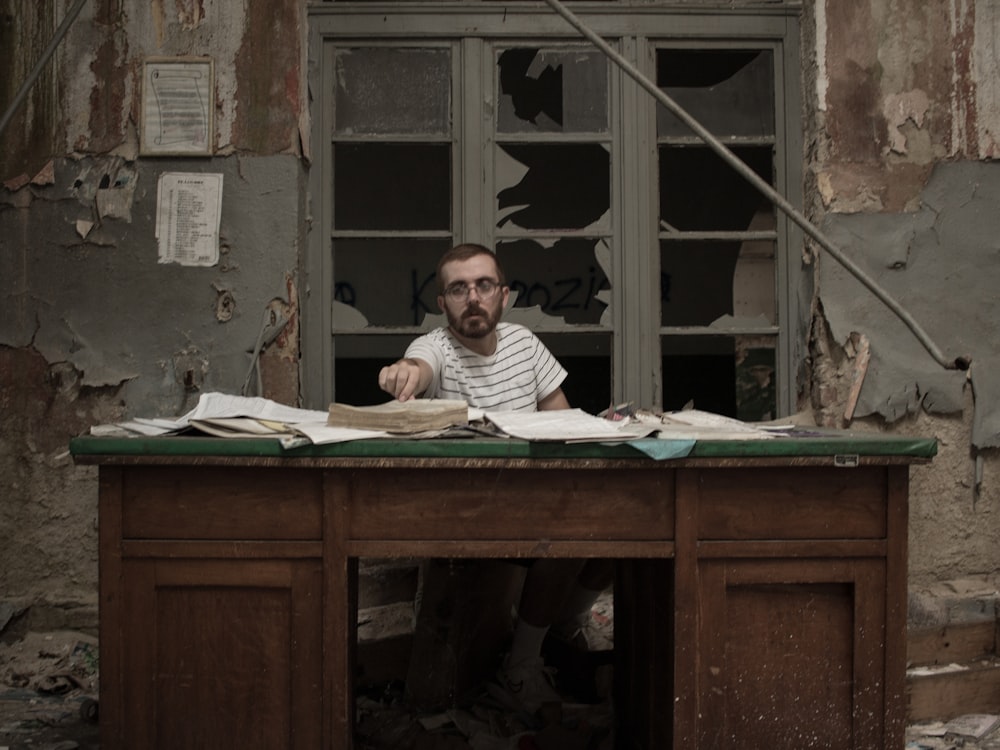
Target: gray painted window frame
{"points": [[636, 333]]}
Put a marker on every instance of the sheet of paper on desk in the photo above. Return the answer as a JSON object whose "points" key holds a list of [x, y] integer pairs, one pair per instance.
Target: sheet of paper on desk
{"points": [[219, 405], [320, 433], [565, 425], [702, 425]]}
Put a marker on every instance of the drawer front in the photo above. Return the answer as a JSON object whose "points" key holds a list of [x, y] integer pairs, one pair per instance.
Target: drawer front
{"points": [[194, 502], [524, 504], [792, 503]]}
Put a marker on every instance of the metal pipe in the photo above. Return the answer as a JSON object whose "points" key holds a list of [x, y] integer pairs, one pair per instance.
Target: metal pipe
{"points": [[962, 363], [37, 70]]}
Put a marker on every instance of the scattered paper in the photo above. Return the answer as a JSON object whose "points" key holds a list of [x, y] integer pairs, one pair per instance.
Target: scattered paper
{"points": [[566, 425]]}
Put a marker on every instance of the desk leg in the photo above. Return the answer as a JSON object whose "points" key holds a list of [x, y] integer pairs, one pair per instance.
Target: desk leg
{"points": [[644, 653], [340, 612], [686, 600]]}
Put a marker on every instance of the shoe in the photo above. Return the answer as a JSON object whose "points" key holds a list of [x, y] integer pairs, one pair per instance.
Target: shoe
{"points": [[525, 686]]}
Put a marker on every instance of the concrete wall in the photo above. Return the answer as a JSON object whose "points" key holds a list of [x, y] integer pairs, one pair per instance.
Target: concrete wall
{"points": [[901, 122]]}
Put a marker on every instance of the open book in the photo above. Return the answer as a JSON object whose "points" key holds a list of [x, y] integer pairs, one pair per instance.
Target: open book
{"points": [[416, 415]]}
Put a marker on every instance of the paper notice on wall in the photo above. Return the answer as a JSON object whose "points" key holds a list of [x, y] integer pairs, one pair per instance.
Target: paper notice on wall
{"points": [[188, 215]]}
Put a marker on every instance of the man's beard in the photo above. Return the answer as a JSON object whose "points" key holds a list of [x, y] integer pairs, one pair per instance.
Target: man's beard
{"points": [[475, 322]]}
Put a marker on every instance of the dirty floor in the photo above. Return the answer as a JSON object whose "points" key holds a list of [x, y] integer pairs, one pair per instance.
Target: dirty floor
{"points": [[48, 690]]}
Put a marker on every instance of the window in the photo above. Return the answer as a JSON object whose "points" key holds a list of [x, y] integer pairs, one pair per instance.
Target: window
{"points": [[650, 267]]}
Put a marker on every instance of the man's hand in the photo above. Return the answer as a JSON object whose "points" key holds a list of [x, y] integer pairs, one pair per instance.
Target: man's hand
{"points": [[405, 379]]}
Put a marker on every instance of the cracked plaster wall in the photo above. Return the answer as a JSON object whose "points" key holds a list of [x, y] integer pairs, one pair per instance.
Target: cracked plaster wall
{"points": [[93, 329], [904, 183]]}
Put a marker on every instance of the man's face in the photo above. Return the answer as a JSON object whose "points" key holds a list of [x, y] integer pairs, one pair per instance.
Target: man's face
{"points": [[474, 316]]}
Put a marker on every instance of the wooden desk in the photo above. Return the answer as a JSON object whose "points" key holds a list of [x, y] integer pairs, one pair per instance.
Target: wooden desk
{"points": [[763, 602]]}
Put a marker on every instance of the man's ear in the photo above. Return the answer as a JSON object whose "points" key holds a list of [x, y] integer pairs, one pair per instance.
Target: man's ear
{"points": [[441, 303], [507, 300]]}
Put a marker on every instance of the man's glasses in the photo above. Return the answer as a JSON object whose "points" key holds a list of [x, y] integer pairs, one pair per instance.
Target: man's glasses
{"points": [[459, 292]]}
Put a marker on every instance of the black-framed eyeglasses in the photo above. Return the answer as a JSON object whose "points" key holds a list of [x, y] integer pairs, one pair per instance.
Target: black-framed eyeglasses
{"points": [[459, 291]]}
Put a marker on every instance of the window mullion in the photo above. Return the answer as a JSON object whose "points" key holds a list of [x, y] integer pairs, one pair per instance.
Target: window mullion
{"points": [[637, 349]]}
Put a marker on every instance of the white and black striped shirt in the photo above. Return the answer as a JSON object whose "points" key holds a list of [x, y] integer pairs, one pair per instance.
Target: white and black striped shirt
{"points": [[519, 374]]}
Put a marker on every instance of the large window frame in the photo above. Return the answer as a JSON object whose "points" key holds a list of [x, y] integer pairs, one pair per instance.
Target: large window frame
{"points": [[635, 31]]}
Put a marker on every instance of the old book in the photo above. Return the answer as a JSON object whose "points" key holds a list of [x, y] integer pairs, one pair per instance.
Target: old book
{"points": [[416, 415]]}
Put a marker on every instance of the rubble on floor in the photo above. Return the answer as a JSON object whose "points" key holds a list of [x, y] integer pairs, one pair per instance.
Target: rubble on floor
{"points": [[968, 732], [584, 721], [48, 692]]}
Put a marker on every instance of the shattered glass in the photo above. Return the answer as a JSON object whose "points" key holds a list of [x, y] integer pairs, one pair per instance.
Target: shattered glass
{"points": [[552, 91], [553, 186], [729, 92]]}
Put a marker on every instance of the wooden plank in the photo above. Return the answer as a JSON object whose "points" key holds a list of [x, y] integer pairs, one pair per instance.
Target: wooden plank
{"points": [[949, 694], [956, 643], [894, 636], [112, 606]]}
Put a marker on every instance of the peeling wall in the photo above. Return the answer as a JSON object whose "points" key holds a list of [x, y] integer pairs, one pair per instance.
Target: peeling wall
{"points": [[906, 109], [93, 328]]}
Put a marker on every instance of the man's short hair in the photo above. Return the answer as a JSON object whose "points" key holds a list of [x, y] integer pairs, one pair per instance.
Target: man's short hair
{"points": [[463, 252]]}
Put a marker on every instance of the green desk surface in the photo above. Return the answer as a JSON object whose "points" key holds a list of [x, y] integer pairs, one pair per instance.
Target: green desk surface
{"points": [[805, 443]]}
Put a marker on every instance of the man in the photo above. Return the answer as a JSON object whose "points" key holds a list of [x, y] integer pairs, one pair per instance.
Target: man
{"points": [[500, 366]]}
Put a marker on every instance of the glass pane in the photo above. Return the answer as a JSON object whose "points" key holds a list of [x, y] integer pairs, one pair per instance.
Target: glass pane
{"points": [[389, 281], [392, 186], [730, 92], [703, 281], [729, 375], [700, 191], [563, 91], [562, 277], [392, 90], [553, 186], [587, 359]]}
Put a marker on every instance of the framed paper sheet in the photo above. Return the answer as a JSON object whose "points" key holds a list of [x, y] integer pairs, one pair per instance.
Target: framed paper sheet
{"points": [[178, 106]]}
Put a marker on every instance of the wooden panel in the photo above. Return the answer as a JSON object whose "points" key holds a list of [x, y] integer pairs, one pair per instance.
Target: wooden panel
{"points": [[791, 655], [223, 654], [221, 503], [480, 504], [792, 503]]}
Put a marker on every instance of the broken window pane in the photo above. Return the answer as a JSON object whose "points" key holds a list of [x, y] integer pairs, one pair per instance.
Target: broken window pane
{"points": [[729, 375], [729, 92], [562, 278], [390, 281], [358, 361], [700, 191], [553, 186], [563, 91], [392, 186], [392, 90], [701, 282], [587, 359]]}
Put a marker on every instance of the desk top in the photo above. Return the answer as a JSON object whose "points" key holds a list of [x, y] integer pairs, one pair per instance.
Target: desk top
{"points": [[807, 446]]}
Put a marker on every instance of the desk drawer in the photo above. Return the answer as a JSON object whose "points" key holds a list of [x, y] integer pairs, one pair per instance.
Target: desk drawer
{"points": [[221, 503], [498, 504], [792, 503]]}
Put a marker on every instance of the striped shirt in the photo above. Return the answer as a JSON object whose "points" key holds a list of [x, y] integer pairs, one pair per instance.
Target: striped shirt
{"points": [[519, 374]]}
